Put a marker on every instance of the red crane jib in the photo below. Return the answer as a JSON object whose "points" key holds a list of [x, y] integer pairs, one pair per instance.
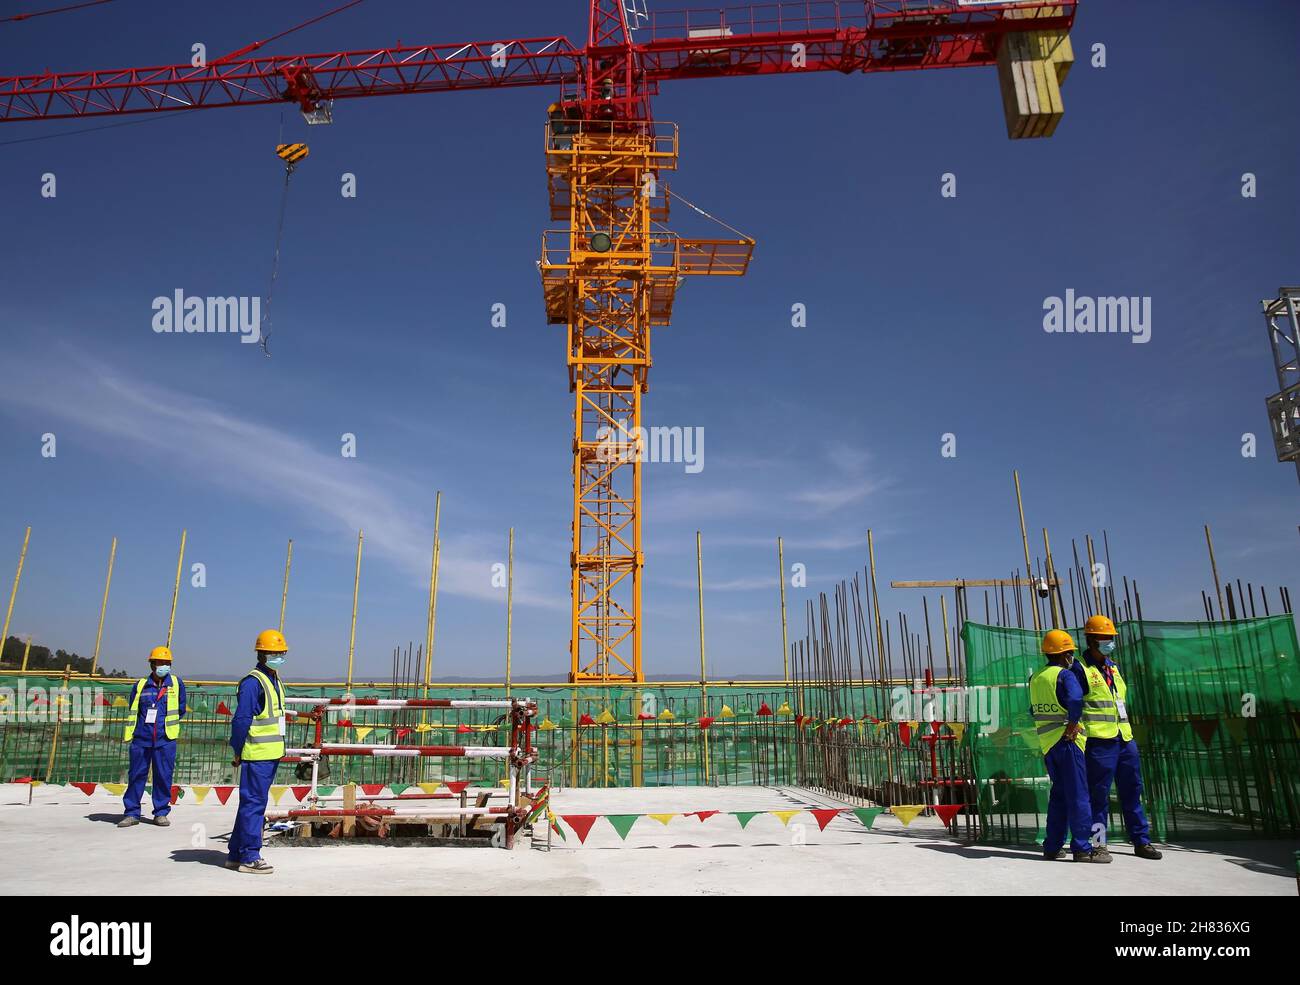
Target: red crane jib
{"points": [[616, 69]]}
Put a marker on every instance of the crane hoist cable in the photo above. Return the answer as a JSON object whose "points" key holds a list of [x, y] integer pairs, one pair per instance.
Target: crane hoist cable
{"points": [[292, 155], [692, 205]]}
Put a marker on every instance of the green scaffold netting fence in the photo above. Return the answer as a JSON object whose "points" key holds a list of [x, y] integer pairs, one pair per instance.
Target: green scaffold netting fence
{"points": [[1215, 710]]}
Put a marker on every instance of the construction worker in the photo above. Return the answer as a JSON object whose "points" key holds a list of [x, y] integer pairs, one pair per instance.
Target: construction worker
{"points": [[257, 737], [153, 724], [1056, 703], [1111, 754]]}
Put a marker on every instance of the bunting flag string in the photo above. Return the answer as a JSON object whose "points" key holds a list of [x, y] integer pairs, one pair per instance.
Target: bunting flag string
{"points": [[907, 812]]}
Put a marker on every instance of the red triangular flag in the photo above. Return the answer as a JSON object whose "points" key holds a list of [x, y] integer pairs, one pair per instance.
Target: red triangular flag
{"points": [[580, 823], [372, 789], [300, 792], [705, 722], [223, 793], [223, 710], [645, 716], [824, 815], [585, 720], [463, 729], [905, 733], [344, 723], [102, 702], [947, 812], [402, 733], [702, 815], [1205, 727], [176, 793], [86, 788], [934, 728], [456, 786], [764, 710]]}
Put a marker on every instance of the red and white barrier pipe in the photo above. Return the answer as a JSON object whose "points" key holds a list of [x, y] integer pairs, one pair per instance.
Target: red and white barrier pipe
{"points": [[356, 749], [408, 702]]}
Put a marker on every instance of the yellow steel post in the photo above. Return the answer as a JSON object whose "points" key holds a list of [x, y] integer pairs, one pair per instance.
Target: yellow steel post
{"points": [[103, 607], [1024, 540], [785, 642], [176, 589], [1058, 617], [1214, 569], [13, 592], [356, 589], [510, 588], [433, 606], [1092, 574], [704, 676], [26, 651], [284, 592]]}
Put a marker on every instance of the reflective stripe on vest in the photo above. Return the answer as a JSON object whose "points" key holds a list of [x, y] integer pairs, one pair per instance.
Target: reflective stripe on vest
{"points": [[1101, 719], [265, 738], [171, 721], [1050, 716]]}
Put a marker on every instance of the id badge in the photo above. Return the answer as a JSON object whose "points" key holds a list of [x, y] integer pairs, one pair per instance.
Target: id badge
{"points": [[1123, 712], [282, 730], [151, 716]]}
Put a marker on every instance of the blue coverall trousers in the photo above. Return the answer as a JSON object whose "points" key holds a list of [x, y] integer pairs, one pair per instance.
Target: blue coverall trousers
{"points": [[162, 758], [254, 791], [1067, 804], [1116, 761]]}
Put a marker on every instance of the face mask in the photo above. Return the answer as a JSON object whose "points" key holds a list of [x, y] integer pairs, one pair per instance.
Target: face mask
{"points": [[1107, 647], [274, 661], [162, 671]]}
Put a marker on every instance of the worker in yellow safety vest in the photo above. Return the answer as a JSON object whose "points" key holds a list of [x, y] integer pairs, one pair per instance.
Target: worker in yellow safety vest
{"points": [[1111, 754], [153, 724], [1056, 705], [257, 733]]}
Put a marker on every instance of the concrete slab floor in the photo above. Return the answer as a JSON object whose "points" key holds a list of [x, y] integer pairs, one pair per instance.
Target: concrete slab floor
{"points": [[66, 843]]}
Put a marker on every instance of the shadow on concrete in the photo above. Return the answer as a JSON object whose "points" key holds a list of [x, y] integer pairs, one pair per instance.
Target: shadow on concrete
{"points": [[108, 818], [202, 856], [971, 852]]}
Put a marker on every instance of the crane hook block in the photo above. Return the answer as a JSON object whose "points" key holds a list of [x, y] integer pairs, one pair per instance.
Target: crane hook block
{"points": [[291, 154]]}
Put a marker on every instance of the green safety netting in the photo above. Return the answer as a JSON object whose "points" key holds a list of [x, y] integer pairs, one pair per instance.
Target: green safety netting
{"points": [[1215, 710]]}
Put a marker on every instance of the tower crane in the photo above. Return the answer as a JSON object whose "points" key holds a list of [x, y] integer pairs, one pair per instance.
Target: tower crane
{"points": [[610, 274]]}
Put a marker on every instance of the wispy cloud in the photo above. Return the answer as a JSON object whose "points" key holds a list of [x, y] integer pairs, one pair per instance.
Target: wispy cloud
{"points": [[228, 446]]}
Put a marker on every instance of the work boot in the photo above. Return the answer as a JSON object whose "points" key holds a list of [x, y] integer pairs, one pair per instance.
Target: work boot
{"points": [[1059, 854], [161, 820], [1096, 855], [259, 866], [1148, 851], [1102, 850], [231, 863], [130, 821]]}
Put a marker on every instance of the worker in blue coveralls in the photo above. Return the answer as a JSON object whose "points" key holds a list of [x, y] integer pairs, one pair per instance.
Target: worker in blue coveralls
{"points": [[1112, 753], [257, 737], [1056, 704], [153, 724]]}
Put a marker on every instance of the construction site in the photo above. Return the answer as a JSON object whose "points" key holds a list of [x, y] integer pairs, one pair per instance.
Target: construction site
{"points": [[879, 739]]}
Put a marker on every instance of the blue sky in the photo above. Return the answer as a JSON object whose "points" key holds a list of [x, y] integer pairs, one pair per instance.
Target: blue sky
{"points": [[924, 317]]}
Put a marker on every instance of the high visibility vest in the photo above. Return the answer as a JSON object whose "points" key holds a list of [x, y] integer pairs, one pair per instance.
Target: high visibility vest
{"points": [[1050, 716], [171, 721], [1101, 715], [266, 734]]}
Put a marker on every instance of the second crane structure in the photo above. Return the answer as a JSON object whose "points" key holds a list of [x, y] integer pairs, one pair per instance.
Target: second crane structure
{"points": [[611, 275]]}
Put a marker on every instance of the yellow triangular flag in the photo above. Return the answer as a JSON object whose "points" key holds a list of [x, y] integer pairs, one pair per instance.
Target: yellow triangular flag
{"points": [[546, 726], [907, 812], [784, 709], [913, 726], [667, 715], [119, 702], [662, 818], [785, 816], [504, 783], [605, 718], [362, 731], [116, 789], [424, 727], [726, 712], [278, 792], [199, 793], [429, 787], [958, 729]]}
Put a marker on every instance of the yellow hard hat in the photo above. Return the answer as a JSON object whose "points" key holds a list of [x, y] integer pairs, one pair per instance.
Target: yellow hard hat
{"points": [[1057, 641], [271, 641], [160, 653], [1099, 626]]}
